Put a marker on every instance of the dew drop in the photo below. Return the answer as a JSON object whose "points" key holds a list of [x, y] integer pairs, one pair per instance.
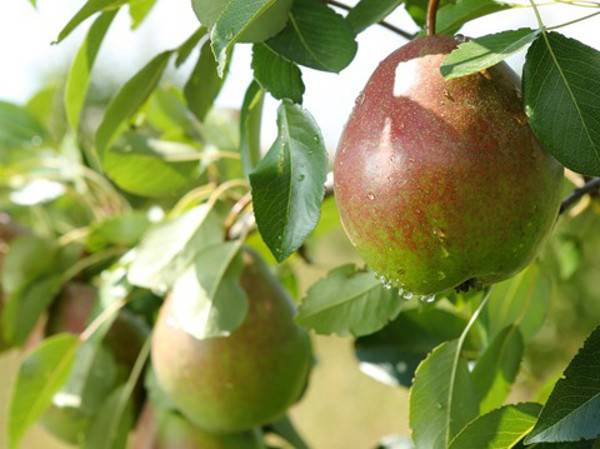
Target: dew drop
{"points": [[371, 196], [401, 367], [316, 138], [408, 295], [427, 299], [301, 177], [439, 405], [441, 275]]}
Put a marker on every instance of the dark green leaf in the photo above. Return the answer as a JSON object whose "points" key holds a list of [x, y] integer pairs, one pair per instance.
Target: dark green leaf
{"points": [[501, 429], [144, 166], [40, 375], [18, 128], [561, 81], [233, 21], [392, 355], [453, 16], [442, 398], [287, 184], [497, 368], [250, 122], [571, 413], [110, 427], [79, 75], [281, 77], [284, 427], [139, 10], [90, 8], [207, 300], [168, 250], [129, 99], [369, 12], [481, 53], [204, 84], [316, 37], [348, 302]]}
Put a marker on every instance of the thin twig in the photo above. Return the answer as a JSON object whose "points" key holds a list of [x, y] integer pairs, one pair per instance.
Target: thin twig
{"points": [[383, 23], [592, 186]]}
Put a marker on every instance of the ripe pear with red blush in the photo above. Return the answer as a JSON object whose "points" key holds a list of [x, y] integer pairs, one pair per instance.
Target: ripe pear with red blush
{"points": [[238, 382], [441, 183]]}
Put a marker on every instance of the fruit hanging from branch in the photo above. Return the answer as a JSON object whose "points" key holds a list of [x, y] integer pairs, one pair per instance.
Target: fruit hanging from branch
{"points": [[441, 183], [234, 383]]}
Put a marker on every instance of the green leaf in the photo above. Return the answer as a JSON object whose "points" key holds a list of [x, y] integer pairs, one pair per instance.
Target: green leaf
{"points": [[139, 10], [26, 306], [185, 49], [48, 108], [18, 128], [90, 8], [348, 302], [369, 12], [442, 399], [502, 428], [167, 250], [571, 412], [497, 368], [129, 99], [207, 300], [276, 74], [28, 258], [487, 51], [453, 16], [287, 184], [561, 81], [393, 354], [110, 427], [250, 124], [204, 84], [233, 21], [522, 300], [316, 37], [79, 75], [40, 375], [142, 166], [121, 230], [284, 427]]}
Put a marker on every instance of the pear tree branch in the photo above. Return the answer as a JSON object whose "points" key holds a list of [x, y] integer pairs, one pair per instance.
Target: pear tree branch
{"points": [[590, 187]]}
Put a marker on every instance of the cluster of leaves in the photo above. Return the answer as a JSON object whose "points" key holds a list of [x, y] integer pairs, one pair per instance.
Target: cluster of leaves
{"points": [[155, 199]]}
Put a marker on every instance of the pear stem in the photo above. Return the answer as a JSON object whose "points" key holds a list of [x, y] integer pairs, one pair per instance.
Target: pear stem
{"points": [[432, 8]]}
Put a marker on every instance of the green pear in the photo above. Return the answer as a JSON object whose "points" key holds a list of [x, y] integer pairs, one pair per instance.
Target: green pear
{"points": [[234, 383], [441, 183]]}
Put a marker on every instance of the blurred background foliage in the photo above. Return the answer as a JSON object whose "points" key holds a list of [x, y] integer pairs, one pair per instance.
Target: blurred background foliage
{"points": [[44, 184]]}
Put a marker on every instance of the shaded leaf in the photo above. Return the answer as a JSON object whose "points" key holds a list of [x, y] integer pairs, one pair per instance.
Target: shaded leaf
{"points": [[561, 81], [453, 16], [281, 77], [204, 84], [497, 368], [284, 427], [348, 302], [479, 54], [207, 300], [18, 128], [250, 125], [132, 95], [393, 354], [78, 78], [571, 412], [287, 184], [502, 428], [186, 49], [316, 37], [40, 375], [122, 230]]}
